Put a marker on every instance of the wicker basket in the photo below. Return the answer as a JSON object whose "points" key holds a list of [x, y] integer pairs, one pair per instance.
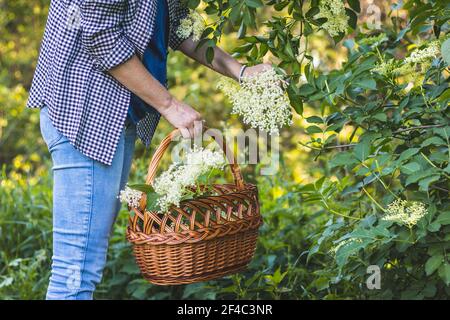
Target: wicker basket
{"points": [[203, 239]]}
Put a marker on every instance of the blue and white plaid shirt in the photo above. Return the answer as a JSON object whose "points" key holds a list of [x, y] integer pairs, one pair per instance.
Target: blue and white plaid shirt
{"points": [[83, 39]]}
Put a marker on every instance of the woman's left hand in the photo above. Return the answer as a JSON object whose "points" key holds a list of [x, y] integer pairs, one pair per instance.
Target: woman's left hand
{"points": [[250, 71]]}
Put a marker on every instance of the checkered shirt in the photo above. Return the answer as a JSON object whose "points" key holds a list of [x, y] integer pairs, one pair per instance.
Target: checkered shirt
{"points": [[83, 39]]}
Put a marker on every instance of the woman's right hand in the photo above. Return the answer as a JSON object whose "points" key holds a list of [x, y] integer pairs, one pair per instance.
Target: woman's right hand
{"points": [[183, 117]]}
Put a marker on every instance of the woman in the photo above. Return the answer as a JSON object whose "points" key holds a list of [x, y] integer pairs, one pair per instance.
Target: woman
{"points": [[101, 81]]}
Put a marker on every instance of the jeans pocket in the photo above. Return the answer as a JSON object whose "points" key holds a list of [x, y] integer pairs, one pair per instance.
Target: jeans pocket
{"points": [[50, 134]]}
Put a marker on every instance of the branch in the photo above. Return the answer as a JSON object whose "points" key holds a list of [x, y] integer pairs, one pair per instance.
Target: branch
{"points": [[341, 146], [420, 127]]}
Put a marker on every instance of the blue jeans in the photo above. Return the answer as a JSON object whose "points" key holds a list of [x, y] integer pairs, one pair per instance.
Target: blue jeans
{"points": [[85, 206]]}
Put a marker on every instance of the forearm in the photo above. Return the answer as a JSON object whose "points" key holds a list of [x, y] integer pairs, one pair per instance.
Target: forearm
{"points": [[222, 63], [134, 76]]}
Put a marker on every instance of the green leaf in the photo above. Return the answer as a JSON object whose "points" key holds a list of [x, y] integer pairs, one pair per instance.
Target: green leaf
{"points": [[445, 51], [313, 129], [416, 176], [433, 140], [433, 264], [353, 18], [405, 155], [444, 218], [369, 84], [142, 187], [307, 29], [380, 117], [235, 13], [342, 159], [434, 227], [297, 104], [410, 168], [321, 283], [307, 89], [314, 119], [354, 4], [152, 198], [243, 28], [312, 12], [254, 3], [444, 273], [439, 157], [430, 290], [349, 249], [424, 184], [295, 99], [193, 4], [362, 150], [210, 54]]}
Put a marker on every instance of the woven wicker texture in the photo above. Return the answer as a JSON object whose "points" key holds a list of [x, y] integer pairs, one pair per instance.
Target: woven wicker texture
{"points": [[203, 239]]}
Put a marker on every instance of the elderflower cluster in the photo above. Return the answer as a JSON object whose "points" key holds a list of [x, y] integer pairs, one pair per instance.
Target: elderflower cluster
{"points": [[385, 68], [334, 12], [193, 24], [260, 100], [404, 212], [130, 197], [171, 185], [428, 53], [412, 68]]}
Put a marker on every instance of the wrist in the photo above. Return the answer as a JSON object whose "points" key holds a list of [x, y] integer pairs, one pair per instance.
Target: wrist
{"points": [[166, 104], [234, 70]]}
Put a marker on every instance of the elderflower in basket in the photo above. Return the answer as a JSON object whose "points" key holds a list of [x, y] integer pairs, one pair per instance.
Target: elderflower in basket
{"points": [[260, 100], [182, 181]]}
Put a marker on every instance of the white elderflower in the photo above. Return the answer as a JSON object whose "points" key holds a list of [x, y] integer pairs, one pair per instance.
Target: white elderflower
{"points": [[421, 57], [171, 185], [428, 53], [334, 12], [404, 212], [385, 68], [193, 24], [259, 100], [412, 69], [130, 197]]}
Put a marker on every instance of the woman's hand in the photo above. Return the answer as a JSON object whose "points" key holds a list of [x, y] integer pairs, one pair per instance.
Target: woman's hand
{"points": [[183, 117], [251, 71], [254, 70]]}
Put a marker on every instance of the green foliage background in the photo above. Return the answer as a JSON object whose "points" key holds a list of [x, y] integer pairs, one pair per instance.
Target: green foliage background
{"points": [[360, 140]]}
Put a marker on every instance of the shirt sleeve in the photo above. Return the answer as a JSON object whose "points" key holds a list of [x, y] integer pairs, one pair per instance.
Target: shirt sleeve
{"points": [[102, 33], [181, 11]]}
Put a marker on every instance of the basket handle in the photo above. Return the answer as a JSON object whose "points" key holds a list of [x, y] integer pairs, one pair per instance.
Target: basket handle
{"points": [[156, 159]]}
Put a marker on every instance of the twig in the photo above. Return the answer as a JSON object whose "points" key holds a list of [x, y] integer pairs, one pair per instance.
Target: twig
{"points": [[420, 127], [439, 188], [354, 144], [373, 200], [341, 146]]}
